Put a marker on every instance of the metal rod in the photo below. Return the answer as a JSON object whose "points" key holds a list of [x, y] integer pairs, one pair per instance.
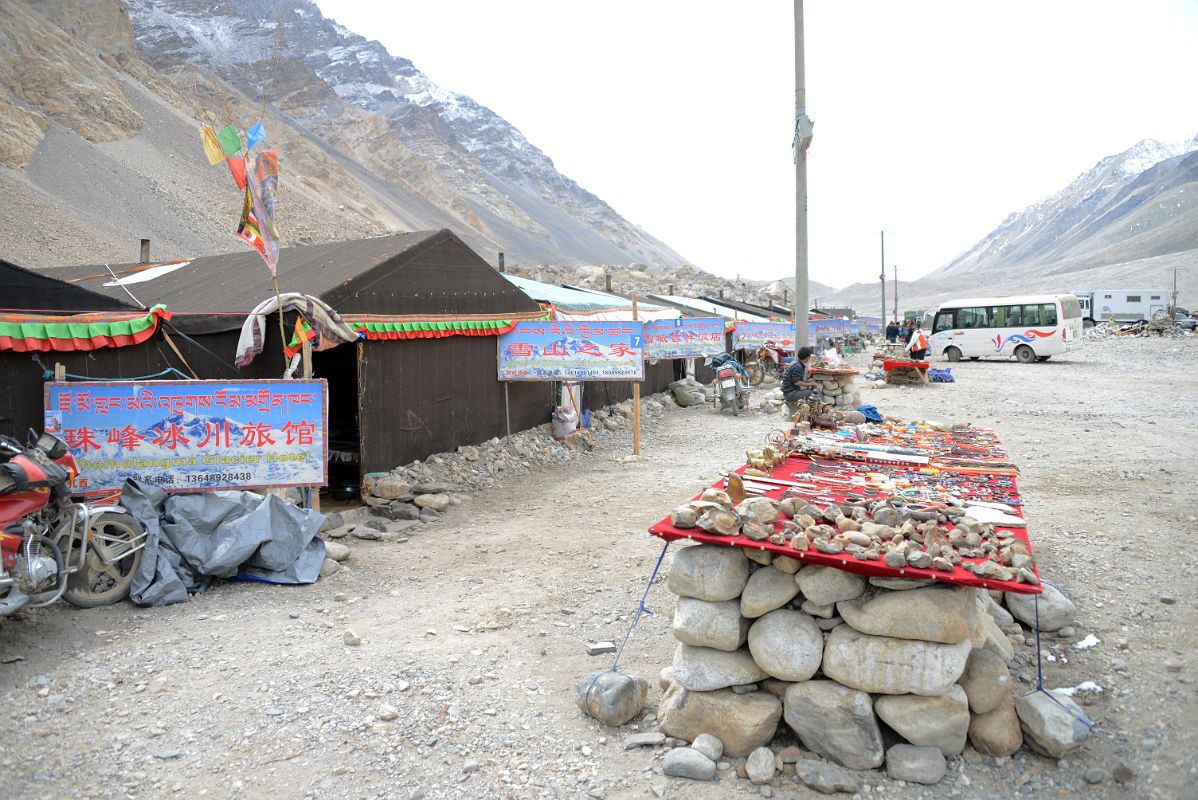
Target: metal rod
{"points": [[895, 292], [883, 277], [507, 412]]}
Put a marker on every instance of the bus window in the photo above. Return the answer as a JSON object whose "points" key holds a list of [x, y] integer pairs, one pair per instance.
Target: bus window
{"points": [[1071, 308], [944, 321], [1048, 314], [1031, 315], [1011, 317], [973, 318]]}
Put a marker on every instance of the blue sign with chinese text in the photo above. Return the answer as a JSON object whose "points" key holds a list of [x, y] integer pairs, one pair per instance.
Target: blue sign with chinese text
{"points": [[572, 351], [192, 435], [752, 335], [684, 337]]}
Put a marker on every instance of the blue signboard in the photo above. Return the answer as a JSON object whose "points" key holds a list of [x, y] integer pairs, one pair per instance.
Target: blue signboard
{"points": [[572, 351], [192, 435], [752, 335], [684, 337]]}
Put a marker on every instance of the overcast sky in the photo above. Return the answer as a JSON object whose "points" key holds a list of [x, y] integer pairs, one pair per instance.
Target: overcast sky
{"points": [[933, 120]]}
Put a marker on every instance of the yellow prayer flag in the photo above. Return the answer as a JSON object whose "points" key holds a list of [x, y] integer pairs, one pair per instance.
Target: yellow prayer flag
{"points": [[212, 147]]}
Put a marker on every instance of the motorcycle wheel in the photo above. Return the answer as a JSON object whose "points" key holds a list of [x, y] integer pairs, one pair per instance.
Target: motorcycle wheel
{"points": [[756, 373], [99, 584]]}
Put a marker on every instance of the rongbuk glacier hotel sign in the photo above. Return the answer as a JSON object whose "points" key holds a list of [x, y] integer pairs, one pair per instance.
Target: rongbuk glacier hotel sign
{"points": [[193, 435]]}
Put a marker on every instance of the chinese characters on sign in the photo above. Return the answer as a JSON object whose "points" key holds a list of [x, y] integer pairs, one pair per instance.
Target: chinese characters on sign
{"points": [[192, 435], [684, 337], [572, 351], [752, 335]]}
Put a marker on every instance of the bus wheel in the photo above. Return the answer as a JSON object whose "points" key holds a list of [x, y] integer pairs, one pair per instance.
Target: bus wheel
{"points": [[1024, 354], [952, 354]]}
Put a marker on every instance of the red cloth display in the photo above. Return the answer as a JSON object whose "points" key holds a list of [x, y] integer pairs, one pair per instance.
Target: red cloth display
{"points": [[795, 469], [889, 365]]}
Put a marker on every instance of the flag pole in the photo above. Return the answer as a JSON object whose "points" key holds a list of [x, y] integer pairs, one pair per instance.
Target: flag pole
{"points": [[274, 279]]}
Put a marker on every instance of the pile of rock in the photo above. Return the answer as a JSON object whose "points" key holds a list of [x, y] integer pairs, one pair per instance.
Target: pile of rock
{"points": [[838, 388], [864, 672]]}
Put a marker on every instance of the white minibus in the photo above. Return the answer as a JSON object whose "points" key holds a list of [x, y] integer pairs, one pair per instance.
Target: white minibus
{"points": [[1028, 328]]}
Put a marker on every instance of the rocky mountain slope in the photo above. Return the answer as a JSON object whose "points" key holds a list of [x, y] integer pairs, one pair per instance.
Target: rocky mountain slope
{"points": [[1131, 220], [100, 102]]}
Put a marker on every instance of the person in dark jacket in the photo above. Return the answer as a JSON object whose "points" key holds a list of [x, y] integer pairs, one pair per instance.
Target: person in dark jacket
{"points": [[795, 386], [892, 332]]}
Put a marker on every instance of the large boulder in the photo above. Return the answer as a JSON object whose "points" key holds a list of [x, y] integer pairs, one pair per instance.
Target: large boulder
{"points": [[743, 722], [702, 669], [996, 733], [986, 681], [716, 625], [767, 588], [787, 644], [997, 641], [826, 585], [836, 722], [709, 572], [1052, 724], [882, 665], [940, 722], [932, 614], [613, 698], [390, 488], [1056, 610]]}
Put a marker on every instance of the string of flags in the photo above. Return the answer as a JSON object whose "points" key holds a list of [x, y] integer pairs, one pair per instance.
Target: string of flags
{"points": [[256, 173]]}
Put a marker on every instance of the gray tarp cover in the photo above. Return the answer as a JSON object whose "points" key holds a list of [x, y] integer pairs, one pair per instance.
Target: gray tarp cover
{"points": [[196, 537]]}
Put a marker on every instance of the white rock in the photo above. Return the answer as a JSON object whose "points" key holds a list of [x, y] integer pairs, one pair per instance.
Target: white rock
{"points": [[932, 614], [1052, 728], [826, 585], [884, 665], [1056, 610], [787, 644], [702, 669], [759, 766], [709, 572], [767, 589], [940, 722], [836, 722], [716, 625]]}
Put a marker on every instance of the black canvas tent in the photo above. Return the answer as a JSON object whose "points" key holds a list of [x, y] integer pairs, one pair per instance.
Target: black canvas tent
{"points": [[392, 401]]}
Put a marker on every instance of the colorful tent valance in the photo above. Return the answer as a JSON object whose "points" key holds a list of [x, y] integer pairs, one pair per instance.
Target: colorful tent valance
{"points": [[44, 333], [379, 327]]}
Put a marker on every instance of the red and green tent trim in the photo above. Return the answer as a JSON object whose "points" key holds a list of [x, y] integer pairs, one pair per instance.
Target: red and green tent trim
{"points": [[380, 327], [24, 333]]}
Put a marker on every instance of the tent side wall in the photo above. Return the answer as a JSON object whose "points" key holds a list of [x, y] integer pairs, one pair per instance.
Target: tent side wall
{"points": [[425, 396]]}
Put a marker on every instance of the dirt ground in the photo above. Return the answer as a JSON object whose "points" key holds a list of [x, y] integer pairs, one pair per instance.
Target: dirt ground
{"points": [[475, 629]]}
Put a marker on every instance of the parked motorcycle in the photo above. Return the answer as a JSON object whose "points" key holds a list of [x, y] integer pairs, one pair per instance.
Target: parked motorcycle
{"points": [[731, 384], [768, 360], [52, 547]]}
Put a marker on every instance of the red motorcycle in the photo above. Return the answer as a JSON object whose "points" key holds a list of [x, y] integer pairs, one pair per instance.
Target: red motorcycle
{"points": [[52, 546]]}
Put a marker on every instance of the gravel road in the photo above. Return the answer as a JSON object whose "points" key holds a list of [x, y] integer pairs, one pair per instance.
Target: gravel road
{"points": [[474, 630]]}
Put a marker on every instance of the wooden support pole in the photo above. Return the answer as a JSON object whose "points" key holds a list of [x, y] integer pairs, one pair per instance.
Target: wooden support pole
{"points": [[60, 372], [311, 495], [636, 401]]}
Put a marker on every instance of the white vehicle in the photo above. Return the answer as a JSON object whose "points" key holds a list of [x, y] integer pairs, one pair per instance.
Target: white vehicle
{"points": [[1029, 327], [1121, 305]]}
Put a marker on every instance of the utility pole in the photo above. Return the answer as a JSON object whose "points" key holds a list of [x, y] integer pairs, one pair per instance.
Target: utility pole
{"points": [[883, 278], [802, 141], [1173, 308], [895, 291]]}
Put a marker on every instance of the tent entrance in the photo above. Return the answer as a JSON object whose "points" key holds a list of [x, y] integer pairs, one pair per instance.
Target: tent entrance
{"points": [[339, 367]]}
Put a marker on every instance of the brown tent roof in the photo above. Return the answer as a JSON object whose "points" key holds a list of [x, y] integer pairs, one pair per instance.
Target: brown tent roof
{"points": [[440, 275]]}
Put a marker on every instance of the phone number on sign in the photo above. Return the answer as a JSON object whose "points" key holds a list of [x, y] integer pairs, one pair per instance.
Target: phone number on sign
{"points": [[216, 477]]}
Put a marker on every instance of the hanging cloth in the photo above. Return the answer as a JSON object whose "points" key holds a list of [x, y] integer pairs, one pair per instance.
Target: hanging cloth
{"points": [[330, 330]]}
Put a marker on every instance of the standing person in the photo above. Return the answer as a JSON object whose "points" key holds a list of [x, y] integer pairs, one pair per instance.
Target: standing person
{"points": [[908, 329], [892, 332], [918, 345], [795, 386]]}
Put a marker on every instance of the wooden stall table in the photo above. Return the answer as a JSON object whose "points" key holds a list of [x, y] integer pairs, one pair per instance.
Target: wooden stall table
{"points": [[905, 373]]}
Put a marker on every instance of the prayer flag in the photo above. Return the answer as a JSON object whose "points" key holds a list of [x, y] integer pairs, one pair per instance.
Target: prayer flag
{"points": [[247, 230], [255, 136], [230, 140], [237, 169], [212, 146]]}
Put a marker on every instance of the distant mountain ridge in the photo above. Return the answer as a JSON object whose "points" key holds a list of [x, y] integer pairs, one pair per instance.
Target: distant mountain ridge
{"points": [[1131, 204], [100, 101]]}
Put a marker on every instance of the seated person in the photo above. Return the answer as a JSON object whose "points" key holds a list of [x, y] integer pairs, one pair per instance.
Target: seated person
{"points": [[795, 386]]}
